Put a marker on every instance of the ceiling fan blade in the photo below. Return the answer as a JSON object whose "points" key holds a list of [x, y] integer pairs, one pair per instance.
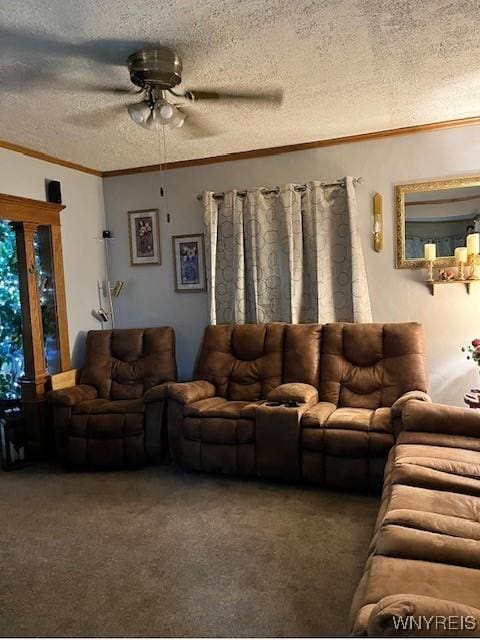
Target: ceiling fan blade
{"points": [[23, 78], [24, 42], [98, 88], [96, 118], [195, 126], [269, 97]]}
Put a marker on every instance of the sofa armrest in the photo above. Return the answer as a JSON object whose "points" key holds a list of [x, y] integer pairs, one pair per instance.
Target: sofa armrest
{"points": [[399, 615], [71, 396], [156, 393], [294, 392], [398, 405], [440, 418], [188, 392]]}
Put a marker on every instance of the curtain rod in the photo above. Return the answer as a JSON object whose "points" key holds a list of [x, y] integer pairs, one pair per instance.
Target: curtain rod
{"points": [[297, 187]]}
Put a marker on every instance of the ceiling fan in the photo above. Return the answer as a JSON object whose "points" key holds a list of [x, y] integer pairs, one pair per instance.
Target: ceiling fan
{"points": [[155, 73]]}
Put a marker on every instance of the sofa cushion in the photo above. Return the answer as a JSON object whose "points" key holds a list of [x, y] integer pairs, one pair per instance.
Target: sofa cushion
{"points": [[302, 353], [104, 426], [400, 538], [109, 406], [109, 452], [244, 362], [371, 365], [221, 408], [325, 415], [418, 501], [316, 417], [443, 468], [440, 440], [123, 363], [218, 430], [441, 418], [351, 419]]}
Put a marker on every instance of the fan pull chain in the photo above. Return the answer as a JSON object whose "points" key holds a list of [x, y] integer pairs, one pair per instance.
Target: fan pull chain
{"points": [[161, 172], [164, 136]]}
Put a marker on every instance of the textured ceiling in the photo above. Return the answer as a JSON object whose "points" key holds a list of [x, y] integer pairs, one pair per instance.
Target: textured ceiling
{"points": [[347, 66]]}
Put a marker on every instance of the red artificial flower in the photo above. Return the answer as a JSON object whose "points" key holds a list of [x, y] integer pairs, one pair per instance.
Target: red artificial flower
{"points": [[476, 342]]}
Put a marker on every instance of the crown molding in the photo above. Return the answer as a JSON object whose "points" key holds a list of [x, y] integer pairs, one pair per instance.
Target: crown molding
{"points": [[245, 155], [272, 151], [39, 155]]}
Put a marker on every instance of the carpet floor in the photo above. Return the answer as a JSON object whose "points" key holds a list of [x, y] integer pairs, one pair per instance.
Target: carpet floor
{"points": [[163, 552]]}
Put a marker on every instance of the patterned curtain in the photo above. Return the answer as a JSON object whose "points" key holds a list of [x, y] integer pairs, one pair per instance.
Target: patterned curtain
{"points": [[292, 256]]}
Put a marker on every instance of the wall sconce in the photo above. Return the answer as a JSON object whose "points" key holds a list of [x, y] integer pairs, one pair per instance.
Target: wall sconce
{"points": [[378, 222]]}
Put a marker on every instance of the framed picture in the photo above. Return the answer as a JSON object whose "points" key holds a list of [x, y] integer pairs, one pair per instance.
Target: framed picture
{"points": [[189, 262], [144, 233]]}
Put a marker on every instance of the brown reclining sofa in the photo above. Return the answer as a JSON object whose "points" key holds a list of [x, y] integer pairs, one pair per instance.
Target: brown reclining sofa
{"points": [[297, 402]]}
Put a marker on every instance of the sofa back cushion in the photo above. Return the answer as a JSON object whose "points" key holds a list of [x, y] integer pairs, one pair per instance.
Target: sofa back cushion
{"points": [[243, 361], [123, 363], [302, 352], [371, 365]]}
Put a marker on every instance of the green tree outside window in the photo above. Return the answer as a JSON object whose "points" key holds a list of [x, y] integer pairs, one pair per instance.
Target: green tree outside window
{"points": [[11, 352]]}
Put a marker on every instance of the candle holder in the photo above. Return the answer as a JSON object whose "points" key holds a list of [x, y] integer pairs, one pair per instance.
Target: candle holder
{"points": [[473, 264], [461, 270], [430, 277]]}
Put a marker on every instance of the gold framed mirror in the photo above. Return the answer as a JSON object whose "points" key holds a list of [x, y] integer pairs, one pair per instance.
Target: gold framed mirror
{"points": [[442, 212]]}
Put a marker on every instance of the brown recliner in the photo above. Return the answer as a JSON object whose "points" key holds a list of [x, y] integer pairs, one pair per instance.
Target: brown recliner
{"points": [[368, 372], [255, 408], [212, 420], [114, 416]]}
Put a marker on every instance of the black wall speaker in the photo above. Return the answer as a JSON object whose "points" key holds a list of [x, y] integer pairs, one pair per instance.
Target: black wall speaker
{"points": [[54, 191]]}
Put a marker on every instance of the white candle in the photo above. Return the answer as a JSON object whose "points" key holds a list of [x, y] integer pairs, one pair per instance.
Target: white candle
{"points": [[473, 243], [430, 252], [461, 255]]}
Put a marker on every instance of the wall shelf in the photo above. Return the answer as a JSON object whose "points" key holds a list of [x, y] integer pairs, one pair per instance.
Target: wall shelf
{"points": [[468, 284]]}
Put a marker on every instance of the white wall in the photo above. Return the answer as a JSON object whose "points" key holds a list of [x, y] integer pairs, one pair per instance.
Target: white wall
{"points": [[82, 221], [451, 318]]}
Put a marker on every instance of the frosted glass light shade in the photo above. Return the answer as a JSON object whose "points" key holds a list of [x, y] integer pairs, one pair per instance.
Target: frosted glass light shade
{"points": [[139, 112]]}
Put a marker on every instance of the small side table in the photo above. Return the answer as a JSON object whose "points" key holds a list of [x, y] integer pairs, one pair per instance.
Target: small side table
{"points": [[472, 399]]}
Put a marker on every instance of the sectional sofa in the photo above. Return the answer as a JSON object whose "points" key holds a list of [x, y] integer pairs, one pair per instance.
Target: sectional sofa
{"points": [[298, 402], [327, 404]]}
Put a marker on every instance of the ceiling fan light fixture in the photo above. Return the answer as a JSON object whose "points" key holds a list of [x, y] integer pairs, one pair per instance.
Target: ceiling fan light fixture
{"points": [[177, 120], [140, 112], [166, 111], [168, 114], [153, 121]]}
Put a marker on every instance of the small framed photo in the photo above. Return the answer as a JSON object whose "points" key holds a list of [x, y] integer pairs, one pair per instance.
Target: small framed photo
{"points": [[144, 233], [189, 262]]}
